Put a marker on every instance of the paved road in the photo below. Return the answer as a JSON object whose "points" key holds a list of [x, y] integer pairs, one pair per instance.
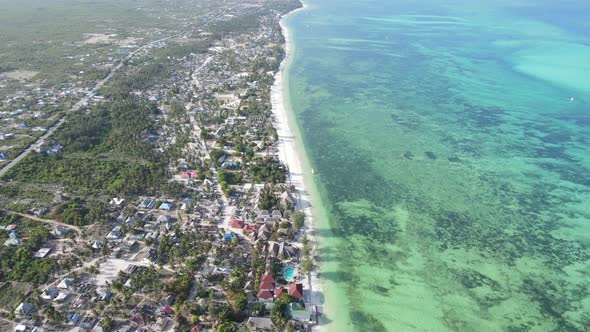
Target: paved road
{"points": [[28, 150], [76, 107]]}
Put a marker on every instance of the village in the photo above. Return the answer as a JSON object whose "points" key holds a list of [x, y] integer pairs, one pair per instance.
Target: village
{"points": [[224, 247]]}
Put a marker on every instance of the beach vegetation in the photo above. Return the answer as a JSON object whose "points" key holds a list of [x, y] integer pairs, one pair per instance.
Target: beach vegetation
{"points": [[298, 219], [307, 265], [305, 240], [306, 250]]}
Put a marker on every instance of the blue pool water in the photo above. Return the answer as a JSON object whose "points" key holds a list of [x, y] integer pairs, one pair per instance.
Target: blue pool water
{"points": [[289, 273]]}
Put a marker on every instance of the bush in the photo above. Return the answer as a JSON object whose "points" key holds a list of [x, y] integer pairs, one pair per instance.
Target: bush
{"points": [[268, 200], [298, 219], [19, 264], [268, 170]]}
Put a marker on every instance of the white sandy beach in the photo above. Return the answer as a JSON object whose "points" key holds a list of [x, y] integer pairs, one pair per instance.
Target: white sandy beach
{"points": [[291, 156]]}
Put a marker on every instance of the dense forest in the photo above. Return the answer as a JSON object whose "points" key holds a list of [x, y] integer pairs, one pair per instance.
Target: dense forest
{"points": [[120, 127], [90, 175]]}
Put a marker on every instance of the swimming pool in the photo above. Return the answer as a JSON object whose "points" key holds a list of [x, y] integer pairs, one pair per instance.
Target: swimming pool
{"points": [[289, 273]]}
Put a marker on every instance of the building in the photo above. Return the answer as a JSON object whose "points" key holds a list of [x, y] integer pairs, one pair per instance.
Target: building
{"points": [[282, 250], [118, 202], [115, 233], [237, 223], [279, 291], [24, 309], [164, 218], [266, 288], [73, 318], [59, 231], [147, 204], [166, 206], [12, 242], [229, 236], [299, 313], [42, 252], [66, 283], [50, 293], [296, 291]]}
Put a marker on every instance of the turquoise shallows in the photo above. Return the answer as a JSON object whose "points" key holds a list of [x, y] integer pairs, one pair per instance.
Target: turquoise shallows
{"points": [[451, 142]]}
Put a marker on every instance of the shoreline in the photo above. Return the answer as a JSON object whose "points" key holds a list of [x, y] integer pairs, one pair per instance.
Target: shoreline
{"points": [[294, 158]]}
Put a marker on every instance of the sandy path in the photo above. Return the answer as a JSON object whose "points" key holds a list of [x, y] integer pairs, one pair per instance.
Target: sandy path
{"points": [[47, 221]]}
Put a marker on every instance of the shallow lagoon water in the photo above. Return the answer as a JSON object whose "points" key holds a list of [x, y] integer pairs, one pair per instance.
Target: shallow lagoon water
{"points": [[453, 169]]}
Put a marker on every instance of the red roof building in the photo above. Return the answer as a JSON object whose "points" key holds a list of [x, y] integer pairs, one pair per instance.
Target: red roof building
{"points": [[266, 288], [296, 291], [265, 294], [138, 320], [268, 277], [237, 223], [189, 175], [279, 292], [266, 285], [248, 229]]}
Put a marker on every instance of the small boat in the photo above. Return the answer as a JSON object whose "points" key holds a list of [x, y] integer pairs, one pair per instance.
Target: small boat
{"points": [[312, 171], [571, 99]]}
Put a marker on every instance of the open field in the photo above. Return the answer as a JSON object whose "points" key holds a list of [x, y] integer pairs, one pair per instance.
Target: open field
{"points": [[12, 293], [19, 75]]}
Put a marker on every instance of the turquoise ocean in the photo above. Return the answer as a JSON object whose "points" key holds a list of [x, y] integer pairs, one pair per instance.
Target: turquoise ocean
{"points": [[451, 146]]}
